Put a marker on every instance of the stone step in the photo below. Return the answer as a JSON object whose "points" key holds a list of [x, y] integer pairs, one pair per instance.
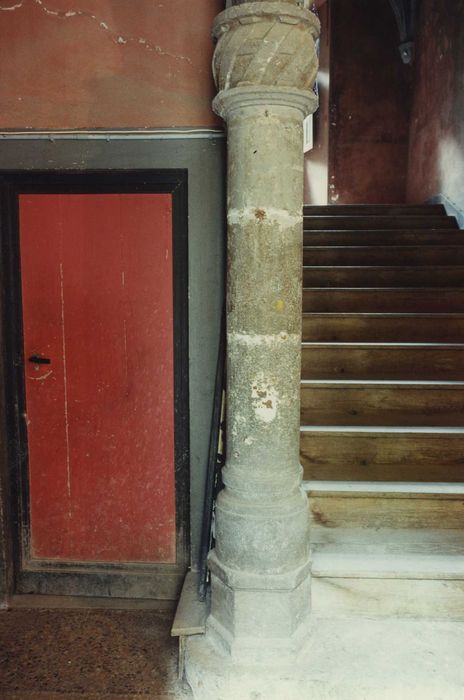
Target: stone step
{"points": [[428, 599], [379, 255], [383, 328], [432, 361], [381, 276], [388, 572], [388, 237], [382, 403], [375, 210], [391, 557], [362, 453], [367, 223], [386, 300]]}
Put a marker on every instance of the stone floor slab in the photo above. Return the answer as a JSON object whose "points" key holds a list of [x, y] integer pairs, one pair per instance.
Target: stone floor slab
{"points": [[346, 659]]}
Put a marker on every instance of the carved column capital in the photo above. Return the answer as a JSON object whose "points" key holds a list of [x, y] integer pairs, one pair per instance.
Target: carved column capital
{"points": [[265, 44]]}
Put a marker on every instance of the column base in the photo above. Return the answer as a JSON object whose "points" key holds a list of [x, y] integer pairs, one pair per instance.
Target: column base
{"points": [[215, 675], [254, 616]]}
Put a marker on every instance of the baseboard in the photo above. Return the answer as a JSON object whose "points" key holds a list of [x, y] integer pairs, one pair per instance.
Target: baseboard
{"points": [[452, 209]]}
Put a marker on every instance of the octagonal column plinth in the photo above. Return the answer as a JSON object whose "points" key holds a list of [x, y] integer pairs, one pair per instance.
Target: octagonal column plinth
{"points": [[265, 66]]}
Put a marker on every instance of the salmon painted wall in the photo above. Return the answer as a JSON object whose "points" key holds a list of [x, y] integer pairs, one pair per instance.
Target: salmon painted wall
{"points": [[369, 105], [436, 160], [77, 64]]}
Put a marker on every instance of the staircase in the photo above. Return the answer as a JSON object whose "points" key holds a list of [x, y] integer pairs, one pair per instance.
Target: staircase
{"points": [[382, 409]]}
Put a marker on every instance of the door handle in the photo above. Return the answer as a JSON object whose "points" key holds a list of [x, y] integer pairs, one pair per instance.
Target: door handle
{"points": [[37, 360]]}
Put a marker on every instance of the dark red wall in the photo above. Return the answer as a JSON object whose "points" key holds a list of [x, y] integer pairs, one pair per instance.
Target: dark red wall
{"points": [[369, 105], [436, 163], [67, 64]]}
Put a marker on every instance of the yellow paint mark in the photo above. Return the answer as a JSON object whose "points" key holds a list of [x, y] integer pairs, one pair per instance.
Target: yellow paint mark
{"points": [[280, 305]]}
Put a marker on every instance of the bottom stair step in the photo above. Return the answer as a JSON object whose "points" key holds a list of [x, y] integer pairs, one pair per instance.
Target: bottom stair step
{"points": [[401, 598], [402, 560], [389, 572]]}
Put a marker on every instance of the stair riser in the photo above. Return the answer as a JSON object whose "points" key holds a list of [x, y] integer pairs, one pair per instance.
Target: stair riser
{"points": [[334, 597], [367, 223], [376, 210], [382, 363], [383, 277], [385, 238], [378, 405], [382, 457], [380, 511], [382, 330], [382, 255], [383, 301]]}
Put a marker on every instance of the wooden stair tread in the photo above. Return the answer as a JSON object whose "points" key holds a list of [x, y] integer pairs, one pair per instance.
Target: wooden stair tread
{"points": [[389, 383], [374, 209], [380, 255], [381, 314], [380, 453], [382, 403], [378, 299], [382, 327], [396, 429], [336, 222], [383, 361], [386, 505], [380, 276], [378, 237]]}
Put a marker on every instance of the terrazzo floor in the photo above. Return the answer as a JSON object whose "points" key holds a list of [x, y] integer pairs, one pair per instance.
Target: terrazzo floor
{"points": [[88, 655]]}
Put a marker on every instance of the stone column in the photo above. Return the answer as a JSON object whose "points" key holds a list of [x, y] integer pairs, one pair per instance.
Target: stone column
{"points": [[265, 67]]}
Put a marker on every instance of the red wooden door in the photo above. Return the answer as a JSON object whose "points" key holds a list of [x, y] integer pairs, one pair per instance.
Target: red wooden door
{"points": [[97, 296]]}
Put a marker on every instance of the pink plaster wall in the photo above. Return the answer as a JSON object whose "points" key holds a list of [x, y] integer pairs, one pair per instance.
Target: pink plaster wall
{"points": [[436, 156], [67, 64]]}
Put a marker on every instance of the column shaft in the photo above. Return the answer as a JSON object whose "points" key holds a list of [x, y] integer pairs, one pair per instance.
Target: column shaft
{"points": [[265, 65]]}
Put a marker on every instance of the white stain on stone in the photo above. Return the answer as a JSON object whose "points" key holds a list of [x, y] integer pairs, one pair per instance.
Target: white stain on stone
{"points": [[265, 400], [282, 217], [256, 340]]}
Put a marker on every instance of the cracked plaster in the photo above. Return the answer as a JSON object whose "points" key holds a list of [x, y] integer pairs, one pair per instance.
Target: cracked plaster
{"points": [[114, 36]]}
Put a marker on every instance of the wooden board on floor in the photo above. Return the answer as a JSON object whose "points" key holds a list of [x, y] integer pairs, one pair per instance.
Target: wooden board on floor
{"points": [[191, 612]]}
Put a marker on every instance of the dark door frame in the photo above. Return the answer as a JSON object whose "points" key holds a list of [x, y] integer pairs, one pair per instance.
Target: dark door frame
{"points": [[25, 575]]}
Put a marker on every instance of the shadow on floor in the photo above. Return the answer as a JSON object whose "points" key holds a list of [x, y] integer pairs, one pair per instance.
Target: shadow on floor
{"points": [[87, 654]]}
